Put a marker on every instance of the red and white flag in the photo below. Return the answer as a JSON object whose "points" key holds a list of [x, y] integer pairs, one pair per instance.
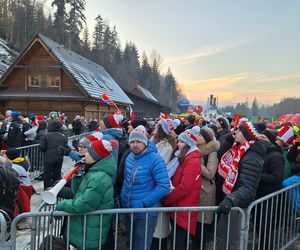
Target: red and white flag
{"points": [[105, 98], [132, 115]]}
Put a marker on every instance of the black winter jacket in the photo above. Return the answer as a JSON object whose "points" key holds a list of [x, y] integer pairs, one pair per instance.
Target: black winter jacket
{"points": [[16, 137], [273, 171], [50, 142], [78, 127], [42, 130], [292, 156], [249, 173]]}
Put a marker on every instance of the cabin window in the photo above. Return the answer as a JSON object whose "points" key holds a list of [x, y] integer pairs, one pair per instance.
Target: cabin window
{"points": [[34, 80], [53, 81]]}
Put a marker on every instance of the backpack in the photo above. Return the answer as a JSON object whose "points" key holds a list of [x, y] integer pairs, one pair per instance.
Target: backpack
{"points": [[9, 184]]}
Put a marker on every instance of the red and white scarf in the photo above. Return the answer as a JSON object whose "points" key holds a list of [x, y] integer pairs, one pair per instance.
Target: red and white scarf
{"points": [[228, 166]]}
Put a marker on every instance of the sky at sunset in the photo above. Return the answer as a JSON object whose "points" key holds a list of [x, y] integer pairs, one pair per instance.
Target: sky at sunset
{"points": [[232, 49]]}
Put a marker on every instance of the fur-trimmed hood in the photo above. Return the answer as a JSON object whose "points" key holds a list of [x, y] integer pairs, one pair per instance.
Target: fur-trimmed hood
{"points": [[212, 146]]}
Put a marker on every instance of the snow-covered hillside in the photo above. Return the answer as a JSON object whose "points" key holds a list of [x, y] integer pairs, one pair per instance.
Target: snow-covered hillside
{"points": [[7, 56]]}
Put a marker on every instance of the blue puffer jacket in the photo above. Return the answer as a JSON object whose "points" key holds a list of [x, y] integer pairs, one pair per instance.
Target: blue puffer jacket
{"points": [[295, 195], [146, 180], [113, 134]]}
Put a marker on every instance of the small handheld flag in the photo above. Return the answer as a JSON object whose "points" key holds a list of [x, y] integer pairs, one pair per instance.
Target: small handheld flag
{"points": [[132, 115], [104, 98]]}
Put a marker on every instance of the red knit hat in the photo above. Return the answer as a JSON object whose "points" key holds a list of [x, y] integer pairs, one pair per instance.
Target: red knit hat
{"points": [[101, 148], [113, 121], [250, 130], [87, 140]]}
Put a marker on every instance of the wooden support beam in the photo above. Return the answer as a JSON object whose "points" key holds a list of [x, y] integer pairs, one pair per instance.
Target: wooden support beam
{"points": [[37, 66]]}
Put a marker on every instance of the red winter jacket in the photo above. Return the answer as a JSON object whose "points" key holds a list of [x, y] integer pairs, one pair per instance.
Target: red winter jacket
{"points": [[186, 181]]}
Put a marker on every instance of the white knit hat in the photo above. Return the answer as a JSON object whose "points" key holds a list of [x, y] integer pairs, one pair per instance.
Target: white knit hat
{"points": [[100, 149], [169, 124], [189, 136], [139, 134], [113, 121], [87, 140]]}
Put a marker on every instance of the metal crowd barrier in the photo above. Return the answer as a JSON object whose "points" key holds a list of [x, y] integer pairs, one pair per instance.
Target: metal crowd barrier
{"points": [[35, 156], [272, 220], [3, 227], [47, 225], [268, 223], [77, 137]]}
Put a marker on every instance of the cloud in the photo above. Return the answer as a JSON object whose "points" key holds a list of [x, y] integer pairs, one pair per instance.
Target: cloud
{"points": [[266, 78], [207, 51], [215, 83], [239, 87]]}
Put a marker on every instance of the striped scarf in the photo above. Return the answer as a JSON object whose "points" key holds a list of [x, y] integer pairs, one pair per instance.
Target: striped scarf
{"points": [[228, 166]]}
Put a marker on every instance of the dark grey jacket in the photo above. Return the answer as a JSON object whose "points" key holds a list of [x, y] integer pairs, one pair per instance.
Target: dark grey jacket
{"points": [[51, 140], [273, 171], [249, 173]]}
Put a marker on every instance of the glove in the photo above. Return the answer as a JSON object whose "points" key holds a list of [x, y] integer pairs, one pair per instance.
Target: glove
{"points": [[225, 206], [64, 150]]}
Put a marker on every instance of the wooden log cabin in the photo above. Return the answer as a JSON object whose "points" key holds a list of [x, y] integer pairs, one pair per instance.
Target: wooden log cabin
{"points": [[49, 77]]}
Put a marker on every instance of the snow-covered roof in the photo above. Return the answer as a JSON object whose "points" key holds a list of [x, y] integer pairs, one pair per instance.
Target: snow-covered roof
{"points": [[6, 56], [146, 93], [91, 76]]}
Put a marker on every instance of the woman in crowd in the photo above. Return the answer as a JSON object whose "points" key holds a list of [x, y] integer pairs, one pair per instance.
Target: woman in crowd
{"points": [[186, 188], [93, 191], [164, 138], [208, 147]]}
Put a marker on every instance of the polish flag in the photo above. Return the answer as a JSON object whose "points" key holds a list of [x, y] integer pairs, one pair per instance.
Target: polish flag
{"points": [[132, 115]]}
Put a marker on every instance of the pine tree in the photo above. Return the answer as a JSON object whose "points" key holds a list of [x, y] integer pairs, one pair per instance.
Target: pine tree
{"points": [[98, 33], [60, 17], [98, 39], [86, 43], [255, 107], [75, 22], [171, 93], [145, 72], [39, 19], [49, 29]]}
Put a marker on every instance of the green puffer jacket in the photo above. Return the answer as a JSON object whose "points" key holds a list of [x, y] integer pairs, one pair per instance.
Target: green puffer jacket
{"points": [[95, 192]]}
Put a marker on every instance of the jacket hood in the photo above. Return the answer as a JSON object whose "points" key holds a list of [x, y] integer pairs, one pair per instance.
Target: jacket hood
{"points": [[42, 125], [258, 147], [193, 154], [212, 146], [54, 126], [107, 165], [271, 147], [117, 133], [223, 132]]}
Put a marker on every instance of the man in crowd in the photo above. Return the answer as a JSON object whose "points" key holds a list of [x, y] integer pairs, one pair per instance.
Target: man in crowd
{"points": [[110, 126], [52, 159], [145, 183], [241, 168]]}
